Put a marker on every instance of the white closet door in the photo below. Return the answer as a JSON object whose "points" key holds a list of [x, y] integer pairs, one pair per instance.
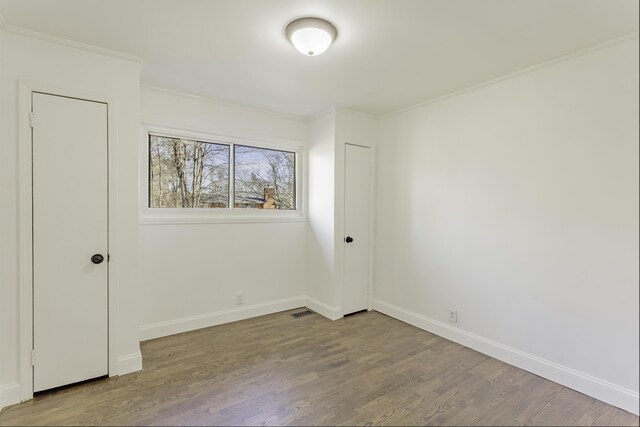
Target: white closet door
{"points": [[357, 220], [70, 205]]}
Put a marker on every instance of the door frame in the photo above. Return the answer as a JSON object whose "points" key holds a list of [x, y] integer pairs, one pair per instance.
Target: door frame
{"points": [[372, 203], [25, 224]]}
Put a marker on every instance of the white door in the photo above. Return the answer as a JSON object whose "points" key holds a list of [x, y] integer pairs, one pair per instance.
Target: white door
{"points": [[69, 227], [357, 218]]}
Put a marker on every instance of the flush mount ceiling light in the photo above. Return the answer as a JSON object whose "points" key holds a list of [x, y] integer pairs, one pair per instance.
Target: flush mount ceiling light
{"points": [[311, 36]]}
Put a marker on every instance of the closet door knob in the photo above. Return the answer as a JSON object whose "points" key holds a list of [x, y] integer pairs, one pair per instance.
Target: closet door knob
{"points": [[349, 239], [97, 259]]}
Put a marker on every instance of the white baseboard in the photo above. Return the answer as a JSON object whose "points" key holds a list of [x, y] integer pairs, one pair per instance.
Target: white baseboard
{"points": [[331, 313], [171, 327], [129, 363], [191, 323], [10, 394], [597, 388]]}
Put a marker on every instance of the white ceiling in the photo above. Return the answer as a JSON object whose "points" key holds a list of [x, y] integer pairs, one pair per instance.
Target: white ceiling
{"points": [[389, 54]]}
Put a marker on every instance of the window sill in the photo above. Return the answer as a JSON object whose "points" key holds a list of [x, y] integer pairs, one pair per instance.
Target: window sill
{"points": [[222, 219]]}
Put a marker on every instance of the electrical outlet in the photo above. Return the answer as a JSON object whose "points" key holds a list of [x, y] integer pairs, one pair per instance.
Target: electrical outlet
{"points": [[453, 316], [239, 298]]}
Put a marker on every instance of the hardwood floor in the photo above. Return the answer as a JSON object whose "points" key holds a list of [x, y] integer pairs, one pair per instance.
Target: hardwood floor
{"points": [[364, 369]]}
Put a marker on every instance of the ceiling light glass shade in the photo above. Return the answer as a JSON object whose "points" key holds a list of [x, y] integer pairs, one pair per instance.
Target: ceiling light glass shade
{"points": [[311, 36]]}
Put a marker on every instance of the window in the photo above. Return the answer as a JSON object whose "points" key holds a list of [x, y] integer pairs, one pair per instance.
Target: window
{"points": [[187, 174], [199, 177], [264, 178]]}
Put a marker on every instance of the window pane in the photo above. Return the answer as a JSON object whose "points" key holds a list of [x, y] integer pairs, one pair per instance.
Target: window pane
{"points": [[264, 179], [187, 174]]}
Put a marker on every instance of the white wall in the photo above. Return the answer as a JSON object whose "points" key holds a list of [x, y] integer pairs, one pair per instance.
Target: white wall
{"points": [[41, 61], [321, 247], [190, 273], [3, 213], [517, 205]]}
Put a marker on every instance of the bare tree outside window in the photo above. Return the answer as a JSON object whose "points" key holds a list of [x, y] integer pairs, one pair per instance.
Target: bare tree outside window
{"points": [[187, 174], [264, 178]]}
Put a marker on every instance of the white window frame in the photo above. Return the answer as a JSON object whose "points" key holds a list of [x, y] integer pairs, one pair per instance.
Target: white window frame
{"points": [[150, 216]]}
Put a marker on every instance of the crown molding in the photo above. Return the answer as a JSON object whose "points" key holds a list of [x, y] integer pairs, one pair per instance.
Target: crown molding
{"points": [[219, 102], [322, 114], [66, 42], [510, 76], [356, 113], [91, 48], [342, 110]]}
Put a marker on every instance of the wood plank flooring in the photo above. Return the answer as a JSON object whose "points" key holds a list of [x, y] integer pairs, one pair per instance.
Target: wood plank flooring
{"points": [[366, 369]]}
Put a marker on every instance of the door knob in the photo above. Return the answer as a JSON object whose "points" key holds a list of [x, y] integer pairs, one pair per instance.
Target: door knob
{"points": [[349, 239], [97, 259]]}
